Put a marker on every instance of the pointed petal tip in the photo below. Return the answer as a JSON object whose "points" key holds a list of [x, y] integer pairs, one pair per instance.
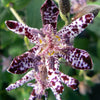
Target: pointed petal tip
{"points": [[17, 67], [8, 70], [86, 20], [17, 70], [95, 12], [87, 64], [7, 89], [11, 24], [79, 59], [68, 33], [75, 85], [69, 81], [10, 87], [89, 17], [49, 13], [5, 21]]}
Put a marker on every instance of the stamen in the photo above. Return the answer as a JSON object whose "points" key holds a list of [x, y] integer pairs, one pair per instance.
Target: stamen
{"points": [[40, 41], [58, 37]]}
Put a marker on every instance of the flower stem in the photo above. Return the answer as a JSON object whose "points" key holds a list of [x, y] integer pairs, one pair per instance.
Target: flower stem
{"points": [[13, 11], [86, 78], [16, 15], [63, 17], [26, 42]]}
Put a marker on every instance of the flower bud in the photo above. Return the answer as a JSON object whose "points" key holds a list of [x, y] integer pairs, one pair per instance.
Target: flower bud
{"points": [[64, 6], [88, 9]]}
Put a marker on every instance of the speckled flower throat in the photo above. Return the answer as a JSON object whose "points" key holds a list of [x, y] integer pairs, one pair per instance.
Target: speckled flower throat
{"points": [[50, 46]]}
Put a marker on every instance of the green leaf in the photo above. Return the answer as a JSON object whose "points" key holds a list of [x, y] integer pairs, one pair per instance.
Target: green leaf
{"points": [[69, 94], [96, 63], [64, 67], [60, 23], [17, 4], [20, 4], [7, 38], [95, 27], [17, 48], [6, 2], [51, 95], [98, 48], [33, 17], [81, 43], [4, 13]]}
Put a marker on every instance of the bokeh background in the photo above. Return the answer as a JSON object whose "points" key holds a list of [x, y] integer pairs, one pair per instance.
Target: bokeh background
{"points": [[12, 45]]}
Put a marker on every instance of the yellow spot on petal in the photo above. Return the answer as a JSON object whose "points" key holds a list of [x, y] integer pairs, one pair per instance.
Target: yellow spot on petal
{"points": [[40, 41], [51, 53], [57, 37]]}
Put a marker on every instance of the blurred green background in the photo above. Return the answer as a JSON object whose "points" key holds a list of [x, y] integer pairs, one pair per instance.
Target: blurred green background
{"points": [[12, 45]]}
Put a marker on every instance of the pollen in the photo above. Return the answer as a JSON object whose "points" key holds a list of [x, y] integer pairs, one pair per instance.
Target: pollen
{"points": [[51, 53], [57, 37], [40, 41]]}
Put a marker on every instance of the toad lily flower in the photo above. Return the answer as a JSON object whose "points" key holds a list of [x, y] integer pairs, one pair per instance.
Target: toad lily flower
{"points": [[51, 45]]}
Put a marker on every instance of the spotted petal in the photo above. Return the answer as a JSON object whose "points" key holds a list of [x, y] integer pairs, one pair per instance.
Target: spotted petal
{"points": [[33, 95], [53, 76], [49, 13], [68, 33], [19, 28], [27, 60], [28, 77], [78, 59], [69, 81]]}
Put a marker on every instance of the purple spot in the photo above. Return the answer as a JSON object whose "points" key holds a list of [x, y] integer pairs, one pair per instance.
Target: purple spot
{"points": [[49, 72], [33, 92], [81, 19], [88, 18], [66, 38], [49, 3], [59, 89], [27, 77], [84, 25], [55, 10], [75, 29], [88, 61], [20, 29], [65, 78], [53, 83], [11, 25], [75, 85], [28, 34]]}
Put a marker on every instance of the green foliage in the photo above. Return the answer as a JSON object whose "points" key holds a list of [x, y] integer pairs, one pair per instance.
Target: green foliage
{"points": [[95, 27], [33, 17], [98, 48], [17, 4], [7, 38]]}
